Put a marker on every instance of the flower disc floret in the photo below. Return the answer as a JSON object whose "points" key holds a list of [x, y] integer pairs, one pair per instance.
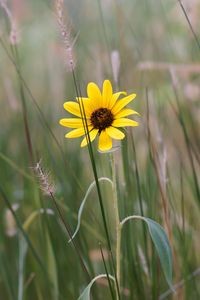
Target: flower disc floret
{"points": [[101, 118]]}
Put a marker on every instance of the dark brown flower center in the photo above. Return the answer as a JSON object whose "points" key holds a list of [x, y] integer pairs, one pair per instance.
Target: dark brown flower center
{"points": [[101, 118]]}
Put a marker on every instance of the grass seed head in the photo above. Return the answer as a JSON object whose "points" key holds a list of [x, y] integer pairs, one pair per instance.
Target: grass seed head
{"points": [[14, 35], [66, 35], [45, 180]]}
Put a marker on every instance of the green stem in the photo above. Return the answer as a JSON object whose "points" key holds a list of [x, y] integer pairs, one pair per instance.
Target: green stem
{"points": [[117, 223], [118, 256]]}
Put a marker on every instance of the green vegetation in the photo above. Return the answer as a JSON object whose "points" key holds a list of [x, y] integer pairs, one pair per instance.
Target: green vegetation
{"points": [[44, 177]]}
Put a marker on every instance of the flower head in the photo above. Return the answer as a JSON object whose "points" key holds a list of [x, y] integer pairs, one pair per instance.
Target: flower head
{"points": [[101, 114]]}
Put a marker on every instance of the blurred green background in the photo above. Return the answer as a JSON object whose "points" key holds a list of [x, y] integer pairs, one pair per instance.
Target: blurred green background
{"points": [[159, 60]]}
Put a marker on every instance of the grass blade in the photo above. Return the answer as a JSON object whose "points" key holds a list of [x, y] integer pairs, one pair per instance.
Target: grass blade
{"points": [[161, 244]]}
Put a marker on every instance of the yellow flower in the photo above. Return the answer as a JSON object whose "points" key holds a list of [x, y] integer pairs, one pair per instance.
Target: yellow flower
{"points": [[104, 114]]}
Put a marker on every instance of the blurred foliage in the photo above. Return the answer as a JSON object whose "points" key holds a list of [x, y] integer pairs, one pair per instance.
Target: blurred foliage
{"points": [[142, 31]]}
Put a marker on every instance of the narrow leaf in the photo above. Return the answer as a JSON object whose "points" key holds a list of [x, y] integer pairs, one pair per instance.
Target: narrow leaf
{"points": [[23, 246], [86, 293], [161, 244], [92, 185], [163, 248], [52, 268]]}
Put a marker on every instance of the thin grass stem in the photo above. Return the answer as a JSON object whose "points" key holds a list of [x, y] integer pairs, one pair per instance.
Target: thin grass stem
{"points": [[117, 223]]}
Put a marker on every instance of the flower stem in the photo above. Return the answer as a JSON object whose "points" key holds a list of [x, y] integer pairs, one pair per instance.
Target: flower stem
{"points": [[118, 246], [117, 223]]}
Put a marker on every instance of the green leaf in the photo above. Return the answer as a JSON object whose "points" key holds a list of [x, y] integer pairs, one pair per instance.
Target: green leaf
{"points": [[86, 293], [161, 244], [52, 268], [23, 247], [80, 211]]}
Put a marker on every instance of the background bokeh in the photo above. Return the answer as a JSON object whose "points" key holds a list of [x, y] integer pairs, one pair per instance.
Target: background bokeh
{"points": [[158, 55]]}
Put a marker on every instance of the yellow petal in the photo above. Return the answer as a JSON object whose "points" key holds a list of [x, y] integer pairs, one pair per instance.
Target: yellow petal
{"points": [[93, 91], [77, 132], [115, 133], [126, 112], [72, 107], [105, 142], [71, 122], [86, 106], [89, 105], [114, 98], [124, 122], [94, 95], [107, 93], [122, 102], [93, 134]]}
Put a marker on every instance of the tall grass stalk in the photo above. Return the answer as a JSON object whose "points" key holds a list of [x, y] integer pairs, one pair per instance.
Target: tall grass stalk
{"points": [[117, 223]]}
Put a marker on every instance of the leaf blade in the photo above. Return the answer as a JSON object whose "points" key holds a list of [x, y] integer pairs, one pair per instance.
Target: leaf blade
{"points": [[86, 293], [161, 244]]}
